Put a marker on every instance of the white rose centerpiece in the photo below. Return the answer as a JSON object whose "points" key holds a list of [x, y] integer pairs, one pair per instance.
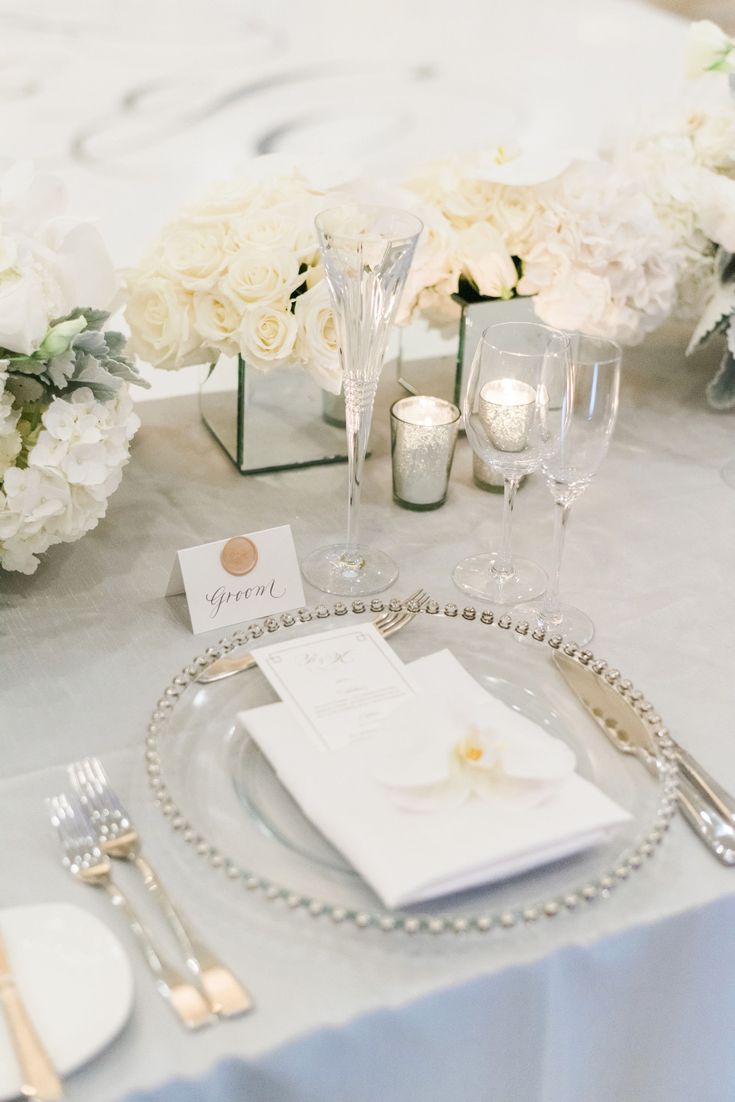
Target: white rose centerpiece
{"points": [[229, 276]]}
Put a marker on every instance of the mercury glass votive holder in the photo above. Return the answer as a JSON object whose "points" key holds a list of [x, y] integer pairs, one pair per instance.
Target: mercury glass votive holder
{"points": [[423, 437], [507, 409]]}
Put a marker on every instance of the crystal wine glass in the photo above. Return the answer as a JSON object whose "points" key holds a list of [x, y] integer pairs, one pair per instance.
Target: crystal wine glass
{"points": [[515, 367], [571, 454], [366, 252]]}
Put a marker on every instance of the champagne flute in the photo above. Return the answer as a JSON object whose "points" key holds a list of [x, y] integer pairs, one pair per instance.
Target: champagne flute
{"points": [[366, 252], [515, 368], [571, 454]]}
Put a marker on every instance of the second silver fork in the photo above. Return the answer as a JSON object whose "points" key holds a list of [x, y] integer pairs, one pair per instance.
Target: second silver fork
{"points": [[118, 838]]}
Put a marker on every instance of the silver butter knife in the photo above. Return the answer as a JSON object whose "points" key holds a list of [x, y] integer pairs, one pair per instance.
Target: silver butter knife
{"points": [[700, 798]]}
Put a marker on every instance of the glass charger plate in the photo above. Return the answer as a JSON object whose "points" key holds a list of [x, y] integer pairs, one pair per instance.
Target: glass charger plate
{"points": [[221, 796]]}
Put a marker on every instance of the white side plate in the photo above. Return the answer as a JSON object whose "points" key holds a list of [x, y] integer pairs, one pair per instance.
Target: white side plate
{"points": [[75, 980]]}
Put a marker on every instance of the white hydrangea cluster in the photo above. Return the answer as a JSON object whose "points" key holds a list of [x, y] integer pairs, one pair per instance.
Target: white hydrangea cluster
{"points": [[223, 278], [11, 441], [599, 260], [74, 463], [583, 237], [685, 163]]}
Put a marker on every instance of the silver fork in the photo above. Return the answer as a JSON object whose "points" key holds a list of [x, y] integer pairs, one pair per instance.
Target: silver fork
{"points": [[388, 623], [118, 838], [86, 861]]}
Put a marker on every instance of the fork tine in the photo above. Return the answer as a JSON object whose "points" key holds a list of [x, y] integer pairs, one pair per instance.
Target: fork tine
{"points": [[385, 620], [414, 597], [83, 789], [68, 828], [103, 787], [95, 771], [420, 597]]}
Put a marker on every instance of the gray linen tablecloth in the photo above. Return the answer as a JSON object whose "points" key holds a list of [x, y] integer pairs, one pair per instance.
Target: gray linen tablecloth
{"points": [[633, 1000]]}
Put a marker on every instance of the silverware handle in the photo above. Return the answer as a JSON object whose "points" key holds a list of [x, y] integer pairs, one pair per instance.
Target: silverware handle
{"points": [[225, 993], [40, 1081], [716, 833], [187, 1002], [225, 667], [718, 796], [198, 955]]}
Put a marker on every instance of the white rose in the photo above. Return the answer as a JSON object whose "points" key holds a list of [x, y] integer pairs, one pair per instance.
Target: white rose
{"points": [[24, 310], [258, 275], [485, 261], [467, 201], [317, 339], [715, 208], [217, 319], [267, 335], [270, 229], [194, 254], [292, 188], [435, 263], [224, 201], [161, 324], [439, 309], [514, 213], [710, 50]]}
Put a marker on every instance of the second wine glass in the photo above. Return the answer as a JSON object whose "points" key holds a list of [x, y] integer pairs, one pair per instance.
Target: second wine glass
{"points": [[517, 366], [572, 450]]}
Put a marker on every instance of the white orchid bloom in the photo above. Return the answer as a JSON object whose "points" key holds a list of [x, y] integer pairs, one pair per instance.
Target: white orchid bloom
{"points": [[431, 758]]}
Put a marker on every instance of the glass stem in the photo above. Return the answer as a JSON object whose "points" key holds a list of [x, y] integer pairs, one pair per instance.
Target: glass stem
{"points": [[358, 415], [504, 559], [552, 608]]}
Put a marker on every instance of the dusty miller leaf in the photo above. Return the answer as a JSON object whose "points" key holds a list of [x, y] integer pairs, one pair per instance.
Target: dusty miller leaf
{"points": [[716, 316]]}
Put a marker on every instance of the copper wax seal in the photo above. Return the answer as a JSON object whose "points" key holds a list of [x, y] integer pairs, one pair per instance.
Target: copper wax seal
{"points": [[239, 555]]}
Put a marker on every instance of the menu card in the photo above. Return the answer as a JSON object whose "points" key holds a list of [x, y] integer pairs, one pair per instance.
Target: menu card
{"points": [[341, 684]]}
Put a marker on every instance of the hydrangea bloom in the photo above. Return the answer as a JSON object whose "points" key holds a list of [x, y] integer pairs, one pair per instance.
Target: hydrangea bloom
{"points": [[599, 260], [72, 468]]}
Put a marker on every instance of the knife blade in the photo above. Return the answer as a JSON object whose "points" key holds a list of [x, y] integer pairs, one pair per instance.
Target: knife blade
{"points": [[629, 733], [40, 1081]]}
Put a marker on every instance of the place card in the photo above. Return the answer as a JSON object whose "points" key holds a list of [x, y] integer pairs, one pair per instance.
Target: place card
{"points": [[238, 579], [342, 684]]}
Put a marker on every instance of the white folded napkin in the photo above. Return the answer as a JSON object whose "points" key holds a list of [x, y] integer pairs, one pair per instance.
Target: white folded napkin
{"points": [[412, 831]]}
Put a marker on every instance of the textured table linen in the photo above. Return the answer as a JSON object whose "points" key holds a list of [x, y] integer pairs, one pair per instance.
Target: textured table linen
{"points": [[626, 1001]]}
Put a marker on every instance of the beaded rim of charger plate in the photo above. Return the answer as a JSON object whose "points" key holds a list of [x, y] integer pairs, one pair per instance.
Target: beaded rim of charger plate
{"points": [[601, 887]]}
